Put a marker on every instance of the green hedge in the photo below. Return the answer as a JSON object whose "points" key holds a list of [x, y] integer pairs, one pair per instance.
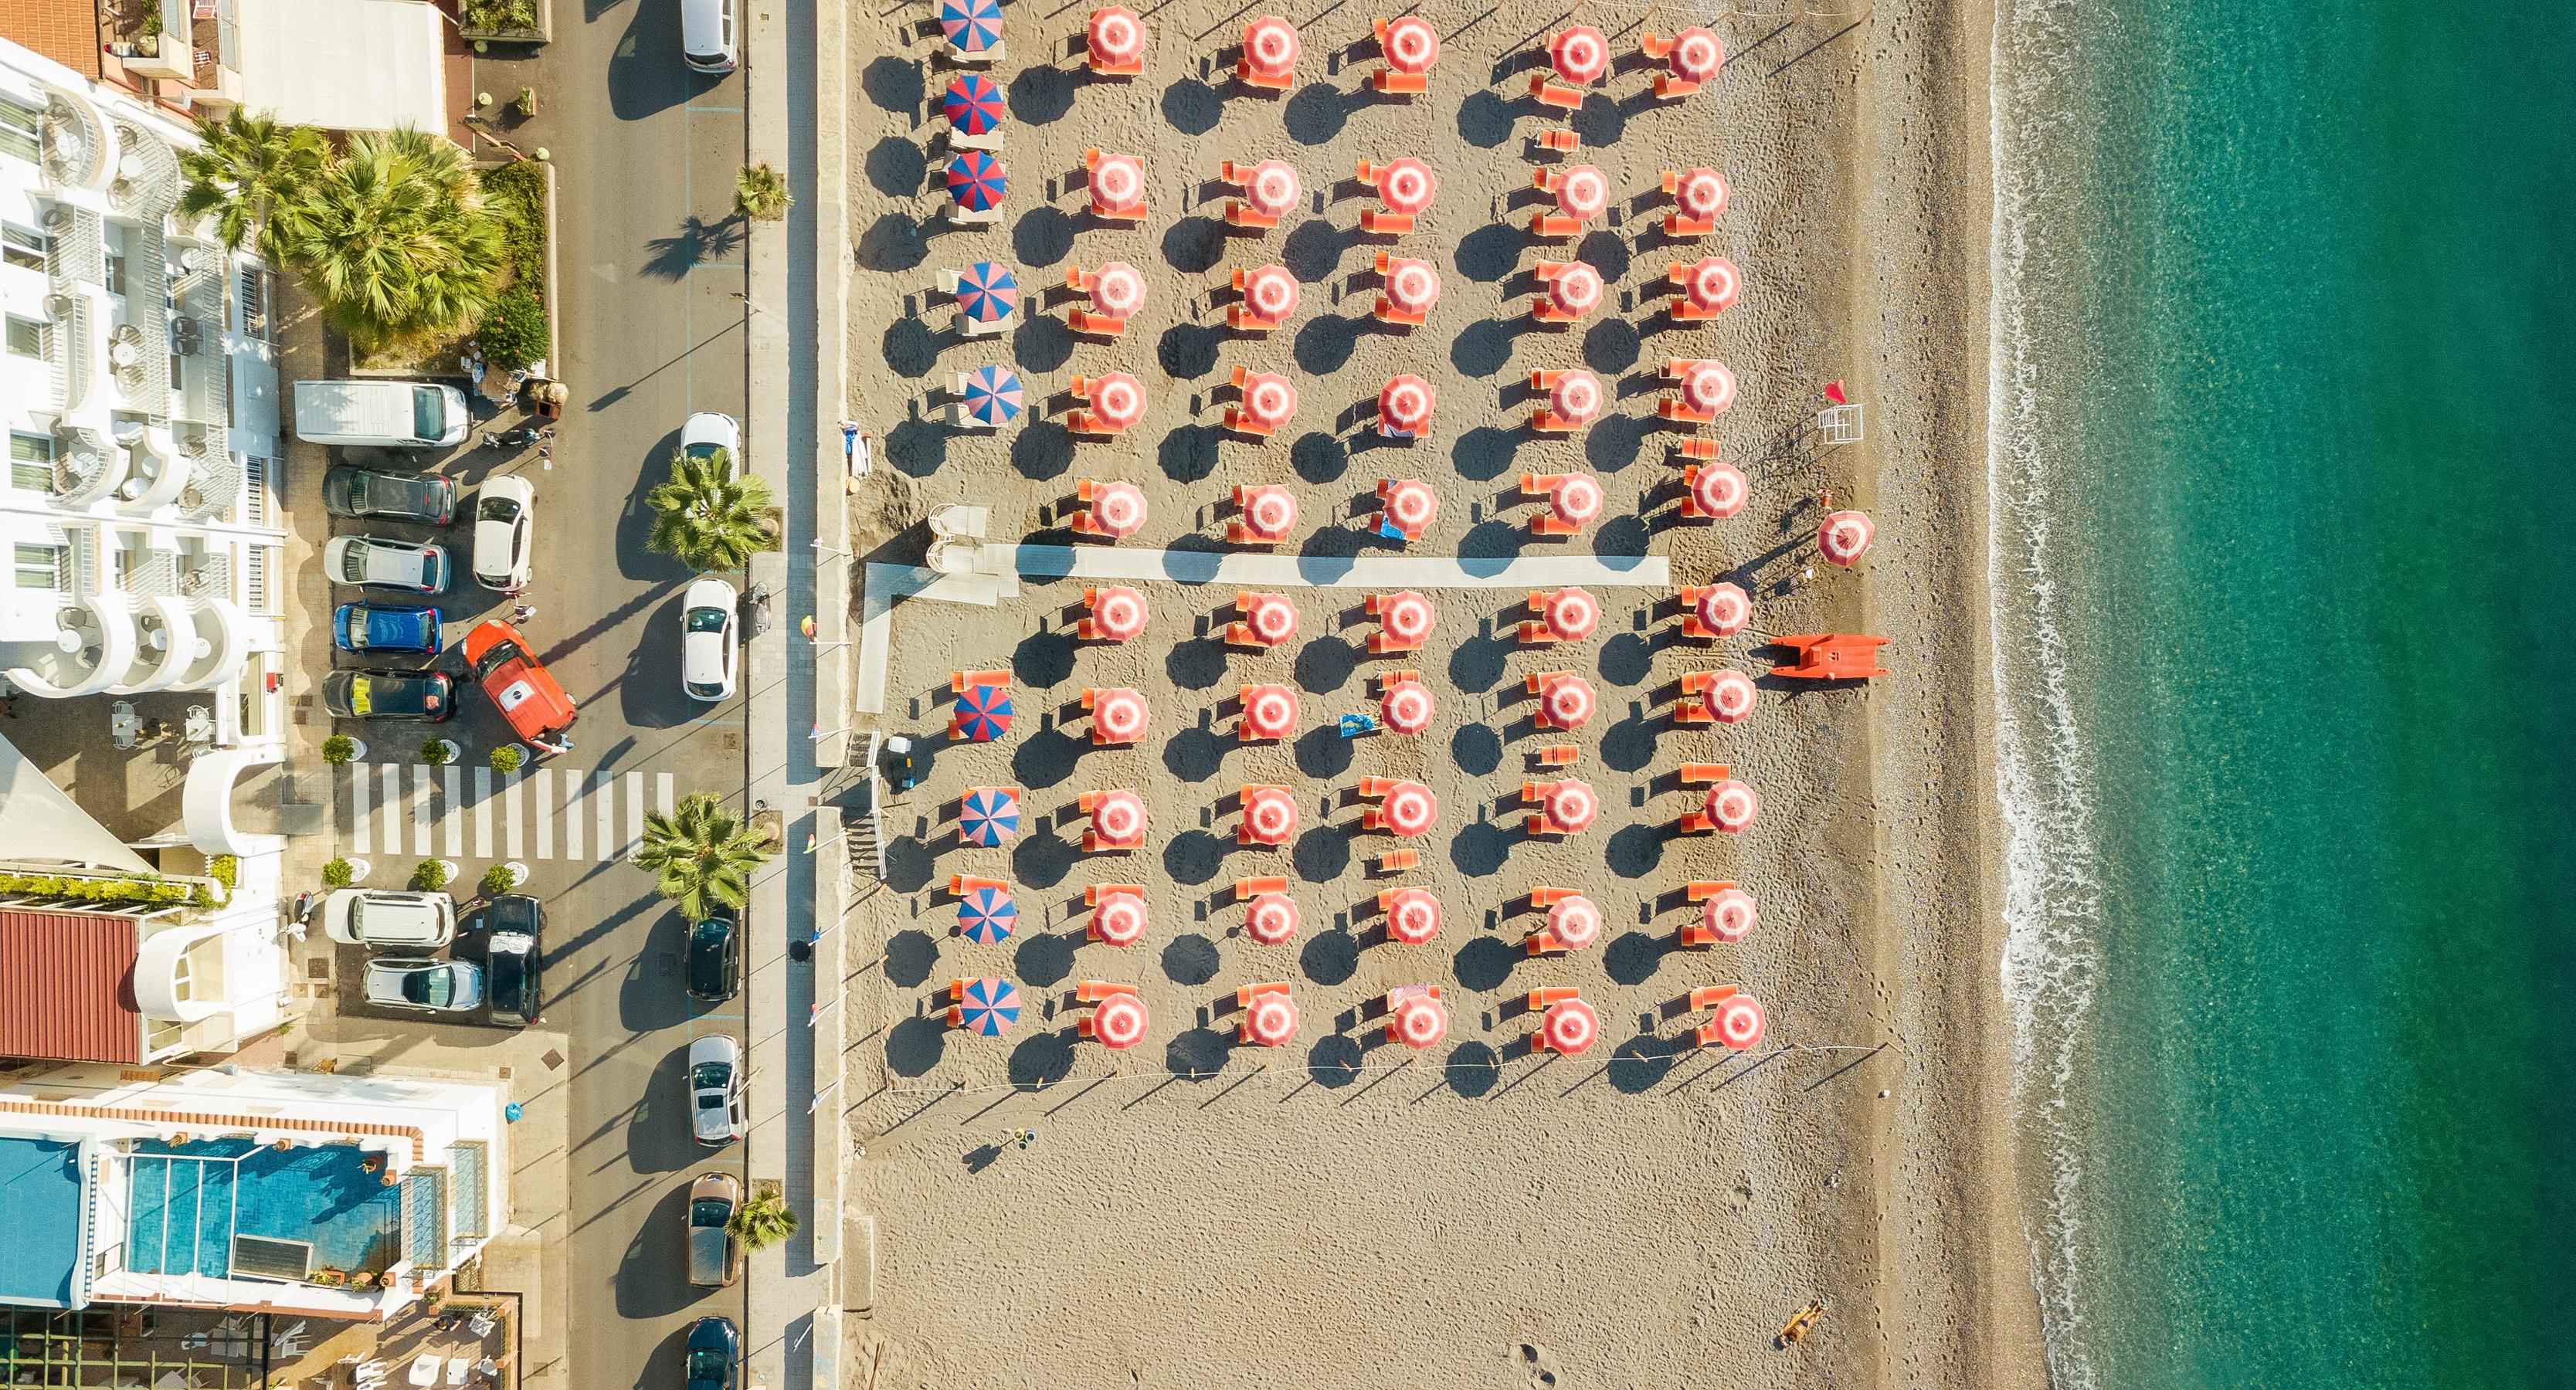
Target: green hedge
{"points": [[146, 891]]}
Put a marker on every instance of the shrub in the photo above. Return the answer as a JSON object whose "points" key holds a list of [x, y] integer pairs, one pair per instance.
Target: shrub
{"points": [[498, 16], [429, 877], [761, 192], [337, 873], [145, 892], [436, 753], [506, 759], [338, 749], [514, 333], [499, 879], [515, 194], [224, 869]]}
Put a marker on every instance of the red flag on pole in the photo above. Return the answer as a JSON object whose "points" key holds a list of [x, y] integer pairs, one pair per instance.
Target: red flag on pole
{"points": [[1834, 393]]}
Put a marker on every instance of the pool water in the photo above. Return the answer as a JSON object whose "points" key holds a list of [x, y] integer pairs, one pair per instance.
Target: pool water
{"points": [[188, 1202]]}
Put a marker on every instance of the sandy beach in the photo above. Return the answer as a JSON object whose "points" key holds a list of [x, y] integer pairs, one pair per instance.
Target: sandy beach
{"points": [[1341, 1211]]}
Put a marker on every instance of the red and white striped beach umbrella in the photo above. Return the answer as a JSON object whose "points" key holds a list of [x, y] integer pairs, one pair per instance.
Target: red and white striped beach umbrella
{"points": [[1719, 489], [1579, 54], [1412, 45], [1118, 289], [1116, 34], [1570, 807], [1575, 922], [1119, 919], [1271, 187], [1730, 696], [1577, 289], [1270, 291], [1701, 192], [1697, 54], [1120, 1022], [1419, 1022], [1410, 809], [1709, 386], [1119, 613], [1845, 536], [1739, 1021], [1118, 509], [1270, 45], [1582, 192], [1407, 185], [1269, 399], [1119, 817], [1576, 500], [1571, 1027], [1120, 715], [1119, 400], [1270, 711], [1568, 700], [1406, 617], [1724, 609], [1577, 395], [1270, 512], [1269, 816], [1406, 706], [1272, 618], [1413, 916], [1117, 181], [1270, 1020], [1412, 505], [1731, 806], [1730, 915], [1711, 283], [1272, 919], [1405, 405], [1411, 285], [1572, 614]]}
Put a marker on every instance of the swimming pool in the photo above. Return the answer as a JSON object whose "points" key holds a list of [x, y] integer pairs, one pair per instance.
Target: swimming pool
{"points": [[187, 1205]]}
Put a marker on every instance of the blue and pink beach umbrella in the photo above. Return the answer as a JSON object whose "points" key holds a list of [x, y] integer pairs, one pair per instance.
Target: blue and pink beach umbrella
{"points": [[971, 25], [987, 915], [989, 1006], [989, 816], [973, 104], [987, 293], [994, 397], [976, 181], [983, 713]]}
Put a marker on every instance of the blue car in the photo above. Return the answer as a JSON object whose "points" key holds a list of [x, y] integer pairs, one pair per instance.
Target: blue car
{"points": [[714, 1354], [368, 627]]}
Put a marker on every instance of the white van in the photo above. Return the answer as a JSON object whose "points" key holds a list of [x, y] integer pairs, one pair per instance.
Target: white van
{"points": [[707, 41], [387, 414]]}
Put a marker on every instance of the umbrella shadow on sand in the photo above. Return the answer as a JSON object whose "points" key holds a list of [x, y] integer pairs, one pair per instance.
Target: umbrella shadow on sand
{"points": [[1045, 958], [1042, 1059], [910, 956], [914, 1046], [1642, 1062], [1474, 1069]]}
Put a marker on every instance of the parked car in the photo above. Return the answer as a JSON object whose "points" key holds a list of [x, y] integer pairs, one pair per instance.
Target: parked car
{"points": [[715, 1354], [706, 432], [383, 917], [422, 697], [387, 414], [423, 497], [715, 1258], [716, 1090], [370, 627], [504, 532], [378, 563], [431, 986], [714, 960], [707, 645], [538, 709], [517, 958]]}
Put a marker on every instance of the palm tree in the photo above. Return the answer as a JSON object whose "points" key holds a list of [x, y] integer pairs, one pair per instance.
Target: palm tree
{"points": [[253, 176], [701, 853], [708, 517], [759, 191], [763, 1221], [395, 242]]}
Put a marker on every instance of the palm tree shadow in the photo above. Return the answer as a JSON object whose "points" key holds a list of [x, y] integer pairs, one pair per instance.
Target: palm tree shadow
{"points": [[699, 242]]}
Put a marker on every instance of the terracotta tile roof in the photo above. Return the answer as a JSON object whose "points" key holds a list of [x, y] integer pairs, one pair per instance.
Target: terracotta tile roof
{"points": [[67, 988], [63, 30]]}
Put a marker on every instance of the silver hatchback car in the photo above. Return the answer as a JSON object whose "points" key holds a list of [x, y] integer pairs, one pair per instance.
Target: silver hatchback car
{"points": [[716, 1085]]}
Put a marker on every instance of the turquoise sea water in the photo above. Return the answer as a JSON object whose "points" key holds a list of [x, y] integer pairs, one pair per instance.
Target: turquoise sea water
{"points": [[2285, 330]]}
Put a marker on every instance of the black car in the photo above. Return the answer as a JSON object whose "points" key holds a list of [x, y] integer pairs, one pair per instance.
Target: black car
{"points": [[715, 1354], [714, 960], [423, 497], [422, 697], [516, 968]]}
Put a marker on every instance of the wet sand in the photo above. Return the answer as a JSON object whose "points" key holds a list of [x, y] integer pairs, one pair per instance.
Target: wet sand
{"points": [[1341, 1212]]}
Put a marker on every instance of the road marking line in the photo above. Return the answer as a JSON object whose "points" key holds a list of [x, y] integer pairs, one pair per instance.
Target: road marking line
{"points": [[420, 808], [482, 813], [606, 795], [572, 812], [634, 814], [389, 800], [735, 109], [362, 834], [451, 817], [514, 802], [545, 813], [662, 792]]}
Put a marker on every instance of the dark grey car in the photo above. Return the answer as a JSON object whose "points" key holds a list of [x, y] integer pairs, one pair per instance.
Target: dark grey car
{"points": [[423, 497], [516, 966]]}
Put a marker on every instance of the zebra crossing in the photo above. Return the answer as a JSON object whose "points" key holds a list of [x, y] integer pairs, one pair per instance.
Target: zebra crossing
{"points": [[468, 813]]}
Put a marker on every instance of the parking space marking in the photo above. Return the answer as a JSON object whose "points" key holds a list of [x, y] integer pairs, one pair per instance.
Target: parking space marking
{"points": [[420, 809], [545, 813], [606, 796], [391, 803], [362, 830], [634, 813], [662, 792], [482, 813], [514, 802], [572, 812]]}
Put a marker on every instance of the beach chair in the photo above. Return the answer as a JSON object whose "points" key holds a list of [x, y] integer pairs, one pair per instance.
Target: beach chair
{"points": [[1688, 596], [1077, 279], [959, 680], [1385, 223], [1395, 861], [1555, 96], [1092, 895], [959, 885], [1549, 996], [1557, 139], [1102, 67], [1093, 991], [1545, 310], [982, 57], [1543, 897], [960, 215], [1695, 933], [1093, 325], [1704, 774], [990, 141], [1089, 422], [1677, 224], [1245, 994], [1246, 889], [1540, 485], [1698, 447], [950, 277], [1387, 82], [1559, 755], [1554, 226]]}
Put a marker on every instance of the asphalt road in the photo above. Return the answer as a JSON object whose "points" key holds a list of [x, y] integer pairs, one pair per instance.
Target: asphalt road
{"points": [[645, 153]]}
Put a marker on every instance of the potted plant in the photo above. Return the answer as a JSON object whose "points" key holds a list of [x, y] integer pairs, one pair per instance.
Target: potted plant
{"points": [[340, 748], [283, 1145], [328, 1277], [362, 1279], [388, 1179], [508, 758], [501, 878], [439, 752], [371, 1163], [431, 875], [526, 105]]}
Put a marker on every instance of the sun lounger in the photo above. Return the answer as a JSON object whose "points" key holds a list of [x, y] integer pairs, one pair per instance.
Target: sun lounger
{"points": [[1093, 991], [1244, 995], [1554, 95], [958, 681], [1395, 861]]}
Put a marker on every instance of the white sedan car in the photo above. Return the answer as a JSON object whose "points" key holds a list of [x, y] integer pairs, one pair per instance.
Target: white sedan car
{"points": [[430, 986], [376, 563], [716, 1090], [707, 432], [504, 531], [707, 640]]}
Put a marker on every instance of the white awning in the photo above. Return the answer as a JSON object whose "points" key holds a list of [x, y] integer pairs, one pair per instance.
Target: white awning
{"points": [[345, 64], [41, 824]]}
